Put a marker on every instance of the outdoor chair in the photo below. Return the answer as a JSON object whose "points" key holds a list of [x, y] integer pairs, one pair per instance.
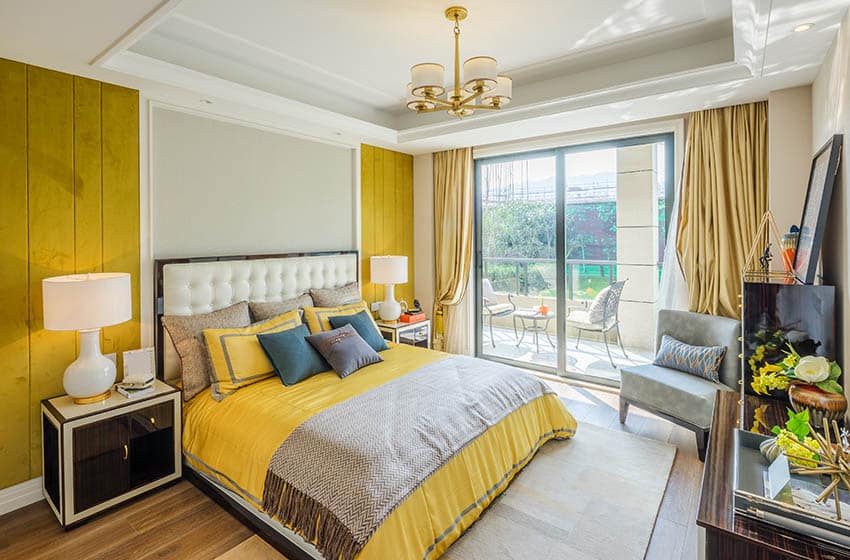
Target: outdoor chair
{"points": [[492, 308], [601, 316]]}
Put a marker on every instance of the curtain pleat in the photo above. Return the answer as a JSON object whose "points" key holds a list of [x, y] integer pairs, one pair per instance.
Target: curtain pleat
{"points": [[453, 235], [724, 195]]}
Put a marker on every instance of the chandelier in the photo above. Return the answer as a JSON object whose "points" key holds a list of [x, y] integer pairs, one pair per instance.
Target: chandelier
{"points": [[482, 88]]}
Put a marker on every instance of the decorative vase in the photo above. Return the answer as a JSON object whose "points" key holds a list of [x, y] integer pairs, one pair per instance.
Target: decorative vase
{"points": [[820, 403]]}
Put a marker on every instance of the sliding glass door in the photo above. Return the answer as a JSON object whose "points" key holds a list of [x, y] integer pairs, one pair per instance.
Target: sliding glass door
{"points": [[569, 253]]}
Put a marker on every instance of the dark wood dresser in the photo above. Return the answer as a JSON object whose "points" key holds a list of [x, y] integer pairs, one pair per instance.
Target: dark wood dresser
{"points": [[95, 456], [731, 536]]}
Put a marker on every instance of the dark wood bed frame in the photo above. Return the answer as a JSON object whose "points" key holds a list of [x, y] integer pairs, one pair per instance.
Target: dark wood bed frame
{"points": [[246, 516]]}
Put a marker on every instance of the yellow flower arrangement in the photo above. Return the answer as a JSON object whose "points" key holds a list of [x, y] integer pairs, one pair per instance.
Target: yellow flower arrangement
{"points": [[816, 371], [791, 445]]}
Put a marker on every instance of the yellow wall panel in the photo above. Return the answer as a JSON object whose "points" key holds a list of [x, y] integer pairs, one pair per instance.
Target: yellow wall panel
{"points": [[55, 219], [88, 209], [14, 287], [50, 163], [120, 130], [367, 224], [386, 195]]}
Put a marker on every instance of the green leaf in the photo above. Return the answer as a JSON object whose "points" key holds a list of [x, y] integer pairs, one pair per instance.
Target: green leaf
{"points": [[834, 371], [798, 424], [830, 386], [776, 430]]}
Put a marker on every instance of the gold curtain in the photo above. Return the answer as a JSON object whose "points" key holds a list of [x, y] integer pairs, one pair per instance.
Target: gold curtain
{"points": [[724, 195], [453, 208]]}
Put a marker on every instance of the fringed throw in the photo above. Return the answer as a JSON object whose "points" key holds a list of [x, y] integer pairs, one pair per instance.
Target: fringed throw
{"points": [[339, 475]]}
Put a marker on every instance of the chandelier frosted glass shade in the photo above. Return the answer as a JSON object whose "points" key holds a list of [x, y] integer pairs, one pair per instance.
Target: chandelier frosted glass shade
{"points": [[428, 78], [501, 94], [480, 74]]}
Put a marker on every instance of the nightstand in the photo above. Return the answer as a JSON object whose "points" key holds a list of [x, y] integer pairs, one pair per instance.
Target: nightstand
{"points": [[95, 456], [414, 334]]}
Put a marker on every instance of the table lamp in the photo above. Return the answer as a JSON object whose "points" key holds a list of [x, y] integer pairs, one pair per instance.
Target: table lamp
{"points": [[389, 271], [85, 303]]}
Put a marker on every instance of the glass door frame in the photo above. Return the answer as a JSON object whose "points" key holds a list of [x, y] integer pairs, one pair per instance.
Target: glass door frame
{"points": [[560, 153]]}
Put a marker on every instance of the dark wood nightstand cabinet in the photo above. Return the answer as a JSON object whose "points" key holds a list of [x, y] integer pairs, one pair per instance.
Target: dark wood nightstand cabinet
{"points": [[98, 455]]}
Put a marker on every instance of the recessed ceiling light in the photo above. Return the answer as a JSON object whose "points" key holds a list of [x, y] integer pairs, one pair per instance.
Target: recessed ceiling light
{"points": [[803, 27]]}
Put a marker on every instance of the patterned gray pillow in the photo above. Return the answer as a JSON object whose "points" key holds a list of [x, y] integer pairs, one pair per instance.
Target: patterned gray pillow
{"points": [[262, 310], [344, 350], [186, 333], [333, 297]]}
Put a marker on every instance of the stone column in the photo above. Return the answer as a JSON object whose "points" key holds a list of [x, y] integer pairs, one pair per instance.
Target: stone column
{"points": [[637, 243]]}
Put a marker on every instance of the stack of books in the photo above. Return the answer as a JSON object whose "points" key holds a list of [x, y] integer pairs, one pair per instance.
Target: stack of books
{"points": [[412, 316], [135, 387]]}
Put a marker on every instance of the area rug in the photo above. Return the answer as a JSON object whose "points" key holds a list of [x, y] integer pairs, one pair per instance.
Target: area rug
{"points": [[595, 496]]}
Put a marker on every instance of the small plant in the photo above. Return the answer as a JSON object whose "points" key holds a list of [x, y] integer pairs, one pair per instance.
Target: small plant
{"points": [[795, 441]]}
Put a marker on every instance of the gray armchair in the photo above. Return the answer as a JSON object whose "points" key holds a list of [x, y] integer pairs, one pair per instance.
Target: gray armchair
{"points": [[683, 398]]}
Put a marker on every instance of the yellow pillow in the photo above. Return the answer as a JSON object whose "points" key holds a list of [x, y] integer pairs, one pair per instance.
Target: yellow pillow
{"points": [[236, 357], [317, 318]]}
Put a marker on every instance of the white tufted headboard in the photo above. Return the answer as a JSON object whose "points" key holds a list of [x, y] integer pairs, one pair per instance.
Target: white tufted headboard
{"points": [[203, 284]]}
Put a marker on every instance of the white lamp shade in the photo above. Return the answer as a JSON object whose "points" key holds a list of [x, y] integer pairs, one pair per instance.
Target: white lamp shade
{"points": [[503, 91], [389, 270], [479, 71], [86, 301], [428, 76]]}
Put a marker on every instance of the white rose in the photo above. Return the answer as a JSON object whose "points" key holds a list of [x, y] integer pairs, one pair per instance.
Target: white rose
{"points": [[812, 369]]}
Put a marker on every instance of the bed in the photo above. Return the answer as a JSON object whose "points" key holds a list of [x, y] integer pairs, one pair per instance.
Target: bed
{"points": [[395, 461]]}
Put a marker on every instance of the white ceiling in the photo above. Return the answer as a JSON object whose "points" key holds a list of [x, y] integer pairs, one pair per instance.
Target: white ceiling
{"points": [[337, 68]]}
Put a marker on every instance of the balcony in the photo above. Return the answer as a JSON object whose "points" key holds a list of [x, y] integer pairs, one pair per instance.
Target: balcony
{"points": [[531, 282]]}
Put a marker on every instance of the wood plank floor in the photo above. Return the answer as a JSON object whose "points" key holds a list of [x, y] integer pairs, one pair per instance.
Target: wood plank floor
{"points": [[180, 522]]}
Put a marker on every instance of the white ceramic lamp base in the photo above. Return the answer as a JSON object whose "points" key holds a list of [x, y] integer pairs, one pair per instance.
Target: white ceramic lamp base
{"points": [[91, 376], [390, 309]]}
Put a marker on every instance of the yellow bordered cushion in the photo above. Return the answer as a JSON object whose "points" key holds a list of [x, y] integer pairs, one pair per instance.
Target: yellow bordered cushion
{"points": [[236, 357], [317, 318]]}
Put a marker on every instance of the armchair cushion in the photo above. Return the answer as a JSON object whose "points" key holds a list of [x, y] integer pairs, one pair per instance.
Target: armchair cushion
{"points": [[498, 308], [671, 392], [703, 361]]}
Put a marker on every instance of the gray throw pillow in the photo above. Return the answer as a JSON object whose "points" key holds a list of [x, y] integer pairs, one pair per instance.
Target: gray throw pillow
{"points": [[702, 361], [344, 350], [334, 297], [262, 310], [186, 333]]}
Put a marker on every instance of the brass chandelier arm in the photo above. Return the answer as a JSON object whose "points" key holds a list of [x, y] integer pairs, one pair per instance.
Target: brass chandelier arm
{"points": [[438, 100], [478, 91]]}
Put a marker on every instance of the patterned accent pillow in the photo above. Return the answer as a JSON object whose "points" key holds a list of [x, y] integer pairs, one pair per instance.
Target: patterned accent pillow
{"points": [[344, 350], [333, 297], [596, 311], [186, 334], [263, 310], [236, 357], [703, 361]]}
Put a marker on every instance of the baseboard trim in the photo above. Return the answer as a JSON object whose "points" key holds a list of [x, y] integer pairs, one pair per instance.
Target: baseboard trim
{"points": [[20, 495]]}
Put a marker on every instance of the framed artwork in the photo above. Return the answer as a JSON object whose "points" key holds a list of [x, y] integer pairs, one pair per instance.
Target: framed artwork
{"points": [[813, 223]]}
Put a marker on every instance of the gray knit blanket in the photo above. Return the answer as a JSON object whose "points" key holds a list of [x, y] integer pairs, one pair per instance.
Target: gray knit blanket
{"points": [[339, 475]]}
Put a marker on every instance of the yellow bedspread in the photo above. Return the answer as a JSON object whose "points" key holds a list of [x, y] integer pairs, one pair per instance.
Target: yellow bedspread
{"points": [[233, 441]]}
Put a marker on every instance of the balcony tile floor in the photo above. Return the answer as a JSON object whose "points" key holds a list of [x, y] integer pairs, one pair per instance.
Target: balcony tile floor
{"points": [[589, 359]]}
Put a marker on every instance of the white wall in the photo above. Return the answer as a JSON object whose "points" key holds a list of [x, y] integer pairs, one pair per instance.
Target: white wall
{"points": [[222, 188], [831, 115], [423, 230], [789, 149]]}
